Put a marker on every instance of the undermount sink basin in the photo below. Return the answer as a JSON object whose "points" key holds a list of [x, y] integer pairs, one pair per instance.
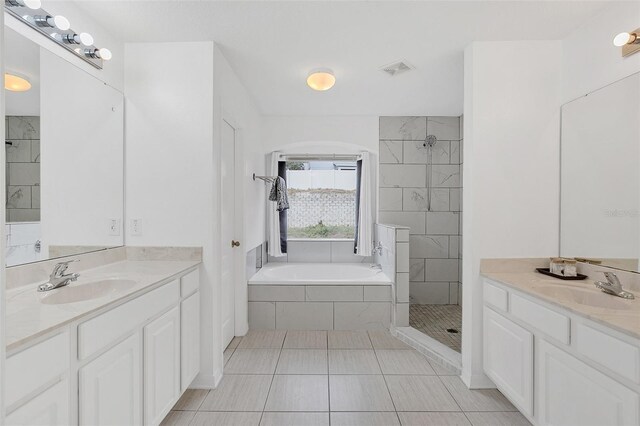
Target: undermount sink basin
{"points": [[587, 297], [87, 291]]}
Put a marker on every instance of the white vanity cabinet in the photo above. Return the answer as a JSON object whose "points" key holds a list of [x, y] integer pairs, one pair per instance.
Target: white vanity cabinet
{"points": [[109, 386], [511, 369], [559, 368], [124, 365], [161, 366], [37, 383]]}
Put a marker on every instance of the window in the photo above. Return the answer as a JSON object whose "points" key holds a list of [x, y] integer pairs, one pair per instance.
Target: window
{"points": [[322, 199]]}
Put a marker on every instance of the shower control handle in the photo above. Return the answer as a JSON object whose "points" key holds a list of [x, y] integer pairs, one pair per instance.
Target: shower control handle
{"points": [[235, 243]]}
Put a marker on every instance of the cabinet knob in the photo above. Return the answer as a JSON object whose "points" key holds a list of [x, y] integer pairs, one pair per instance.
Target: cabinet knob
{"points": [[235, 243]]}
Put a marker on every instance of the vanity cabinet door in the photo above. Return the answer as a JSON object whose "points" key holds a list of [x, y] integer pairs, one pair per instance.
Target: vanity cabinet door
{"points": [[51, 407], [190, 339], [570, 392], [508, 359], [161, 366], [111, 388]]}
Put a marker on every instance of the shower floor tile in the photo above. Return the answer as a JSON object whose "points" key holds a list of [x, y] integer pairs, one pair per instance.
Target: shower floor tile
{"points": [[434, 320]]}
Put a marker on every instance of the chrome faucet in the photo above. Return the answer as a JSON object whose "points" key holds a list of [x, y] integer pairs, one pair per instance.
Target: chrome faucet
{"points": [[377, 249], [58, 278], [613, 286]]}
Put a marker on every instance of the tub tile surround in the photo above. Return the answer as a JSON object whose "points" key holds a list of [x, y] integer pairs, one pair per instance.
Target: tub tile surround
{"points": [[320, 251], [435, 235], [520, 274], [28, 319], [21, 240], [394, 261]]}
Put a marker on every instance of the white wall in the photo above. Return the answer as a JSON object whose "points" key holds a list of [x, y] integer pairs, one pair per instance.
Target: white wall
{"points": [[321, 134], [169, 169], [234, 104], [511, 175], [177, 96], [590, 60]]}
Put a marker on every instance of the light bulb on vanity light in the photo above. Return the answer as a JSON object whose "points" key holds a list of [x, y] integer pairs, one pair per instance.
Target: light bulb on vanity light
{"points": [[49, 21], [31, 4], [84, 38], [105, 54], [624, 39]]}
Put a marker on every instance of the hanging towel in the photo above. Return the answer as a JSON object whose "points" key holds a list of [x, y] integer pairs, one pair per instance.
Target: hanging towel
{"points": [[279, 194]]}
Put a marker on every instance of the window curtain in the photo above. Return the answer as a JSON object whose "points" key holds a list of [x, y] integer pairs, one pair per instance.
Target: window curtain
{"points": [[276, 221], [364, 211]]}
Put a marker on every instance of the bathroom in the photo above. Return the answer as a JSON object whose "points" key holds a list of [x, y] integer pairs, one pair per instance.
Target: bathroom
{"points": [[426, 181]]}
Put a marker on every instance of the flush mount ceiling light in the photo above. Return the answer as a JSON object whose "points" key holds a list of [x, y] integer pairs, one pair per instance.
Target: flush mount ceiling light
{"points": [[15, 83], [58, 28], [321, 79], [629, 42]]}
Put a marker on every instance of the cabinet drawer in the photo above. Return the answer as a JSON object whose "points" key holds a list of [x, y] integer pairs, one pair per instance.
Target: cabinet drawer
{"points": [[34, 367], [544, 319], [102, 330], [50, 408], [495, 296], [189, 283], [610, 352]]}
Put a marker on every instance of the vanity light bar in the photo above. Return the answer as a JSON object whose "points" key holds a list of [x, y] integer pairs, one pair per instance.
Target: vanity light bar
{"points": [[58, 29]]}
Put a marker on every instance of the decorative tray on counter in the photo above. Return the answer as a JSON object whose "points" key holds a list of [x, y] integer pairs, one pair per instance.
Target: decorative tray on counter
{"points": [[546, 271]]}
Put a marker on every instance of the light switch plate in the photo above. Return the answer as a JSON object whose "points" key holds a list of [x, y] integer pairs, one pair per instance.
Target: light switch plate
{"points": [[114, 227]]}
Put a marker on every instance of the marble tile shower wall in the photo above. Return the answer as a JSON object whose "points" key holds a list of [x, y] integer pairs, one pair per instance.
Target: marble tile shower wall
{"points": [[435, 233], [22, 144], [321, 251]]}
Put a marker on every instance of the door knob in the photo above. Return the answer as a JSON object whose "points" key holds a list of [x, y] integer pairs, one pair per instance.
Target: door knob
{"points": [[235, 243]]}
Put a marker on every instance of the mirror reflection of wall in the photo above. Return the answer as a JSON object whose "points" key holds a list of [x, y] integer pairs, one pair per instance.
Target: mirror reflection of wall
{"points": [[600, 177], [22, 149], [72, 202]]}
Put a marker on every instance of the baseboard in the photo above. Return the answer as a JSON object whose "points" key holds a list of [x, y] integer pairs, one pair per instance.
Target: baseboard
{"points": [[203, 381], [477, 381]]}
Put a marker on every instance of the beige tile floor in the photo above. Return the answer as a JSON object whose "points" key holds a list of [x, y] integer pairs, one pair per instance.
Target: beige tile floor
{"points": [[337, 378], [434, 320]]}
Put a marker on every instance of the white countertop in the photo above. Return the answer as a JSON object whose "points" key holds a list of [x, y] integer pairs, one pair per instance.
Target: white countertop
{"points": [[626, 321], [27, 317]]}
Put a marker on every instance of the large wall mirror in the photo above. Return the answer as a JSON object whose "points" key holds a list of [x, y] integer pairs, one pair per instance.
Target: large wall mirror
{"points": [[64, 156], [600, 177]]}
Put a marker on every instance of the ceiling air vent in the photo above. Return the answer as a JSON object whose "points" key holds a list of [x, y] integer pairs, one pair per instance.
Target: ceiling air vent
{"points": [[397, 68]]}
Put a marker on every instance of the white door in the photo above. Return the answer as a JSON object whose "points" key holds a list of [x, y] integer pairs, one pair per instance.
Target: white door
{"points": [[229, 245], [161, 366], [508, 359], [49, 408], [110, 386], [571, 393]]}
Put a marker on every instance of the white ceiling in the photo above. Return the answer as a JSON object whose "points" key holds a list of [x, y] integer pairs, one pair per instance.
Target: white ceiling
{"points": [[273, 45]]}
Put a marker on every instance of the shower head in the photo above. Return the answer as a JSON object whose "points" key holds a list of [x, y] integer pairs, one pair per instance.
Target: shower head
{"points": [[430, 141]]}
